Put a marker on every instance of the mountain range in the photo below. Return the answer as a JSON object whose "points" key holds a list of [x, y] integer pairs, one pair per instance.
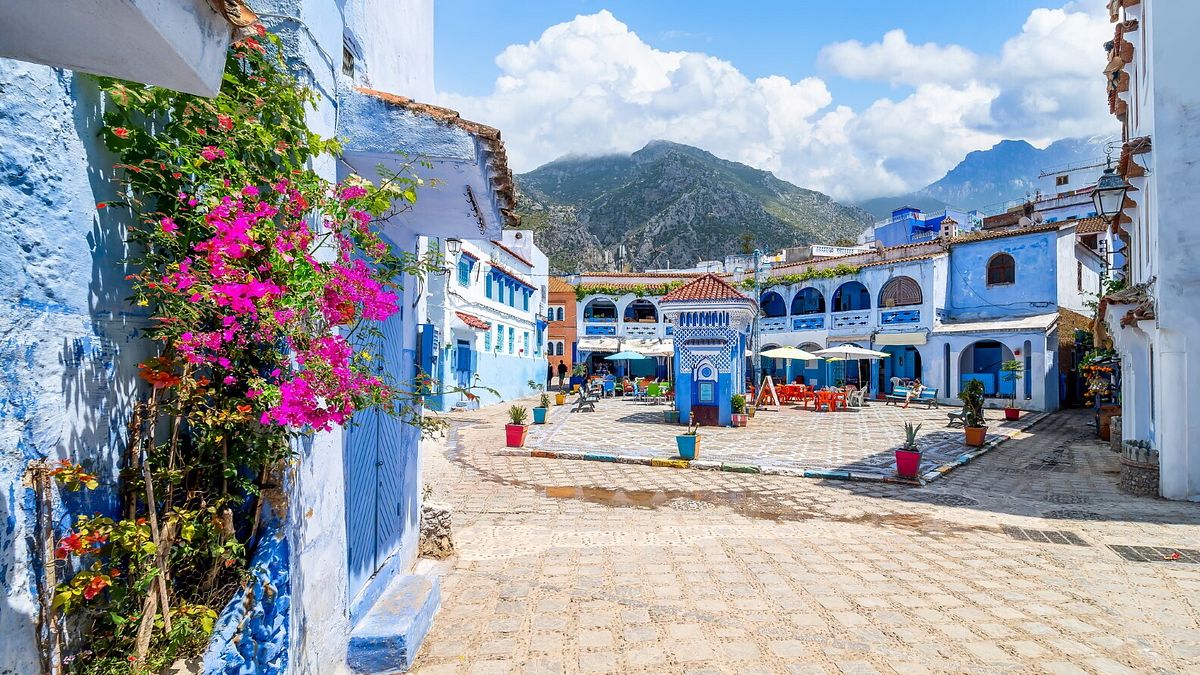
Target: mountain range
{"points": [[986, 179], [670, 205]]}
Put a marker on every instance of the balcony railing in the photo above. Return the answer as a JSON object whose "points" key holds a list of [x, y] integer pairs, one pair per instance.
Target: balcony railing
{"points": [[600, 319], [774, 324], [600, 330], [809, 322], [898, 317], [640, 330], [860, 318]]}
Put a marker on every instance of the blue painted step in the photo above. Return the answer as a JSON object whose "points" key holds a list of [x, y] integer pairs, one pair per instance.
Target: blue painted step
{"points": [[387, 639]]}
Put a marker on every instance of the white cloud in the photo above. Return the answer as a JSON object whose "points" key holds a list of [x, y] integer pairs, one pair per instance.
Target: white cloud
{"points": [[591, 85], [896, 60]]}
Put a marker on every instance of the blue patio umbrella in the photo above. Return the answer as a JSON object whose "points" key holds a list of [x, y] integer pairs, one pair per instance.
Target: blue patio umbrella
{"points": [[626, 356]]}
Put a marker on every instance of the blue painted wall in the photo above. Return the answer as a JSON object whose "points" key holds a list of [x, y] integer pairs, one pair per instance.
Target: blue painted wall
{"points": [[1035, 291], [69, 348]]}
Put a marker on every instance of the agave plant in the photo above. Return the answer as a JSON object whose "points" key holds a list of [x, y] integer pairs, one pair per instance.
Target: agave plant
{"points": [[910, 436], [518, 414]]}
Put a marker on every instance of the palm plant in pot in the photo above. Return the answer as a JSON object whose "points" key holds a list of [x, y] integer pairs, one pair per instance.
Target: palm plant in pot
{"points": [[974, 424], [1013, 371], [688, 442], [738, 404], [514, 431], [539, 413], [908, 456]]}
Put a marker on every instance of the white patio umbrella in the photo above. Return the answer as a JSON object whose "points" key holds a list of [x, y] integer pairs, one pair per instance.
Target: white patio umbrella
{"points": [[849, 353], [788, 353]]}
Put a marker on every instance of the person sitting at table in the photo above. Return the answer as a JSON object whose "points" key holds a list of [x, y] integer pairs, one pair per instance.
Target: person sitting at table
{"points": [[914, 391]]}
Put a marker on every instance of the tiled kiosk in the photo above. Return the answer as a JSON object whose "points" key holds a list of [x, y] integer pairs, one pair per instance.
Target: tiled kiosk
{"points": [[712, 323]]}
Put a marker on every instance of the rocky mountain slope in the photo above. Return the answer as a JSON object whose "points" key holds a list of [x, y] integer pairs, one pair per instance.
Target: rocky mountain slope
{"points": [[670, 205], [987, 178]]}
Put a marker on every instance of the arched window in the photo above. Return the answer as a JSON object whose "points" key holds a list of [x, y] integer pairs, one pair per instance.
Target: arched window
{"points": [[808, 301], [851, 296], [773, 304], [899, 292], [641, 311], [600, 309], [1001, 269]]}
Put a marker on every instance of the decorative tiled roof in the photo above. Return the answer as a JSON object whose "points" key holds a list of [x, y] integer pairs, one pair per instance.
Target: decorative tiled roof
{"points": [[707, 287], [655, 275], [897, 261], [502, 181], [473, 321]]}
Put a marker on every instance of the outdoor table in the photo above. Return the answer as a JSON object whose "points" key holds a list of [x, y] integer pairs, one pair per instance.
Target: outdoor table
{"points": [[832, 399]]}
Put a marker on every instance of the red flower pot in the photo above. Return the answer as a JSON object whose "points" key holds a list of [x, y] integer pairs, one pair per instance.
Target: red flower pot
{"points": [[739, 419], [514, 435], [1012, 414], [908, 463], [975, 435]]}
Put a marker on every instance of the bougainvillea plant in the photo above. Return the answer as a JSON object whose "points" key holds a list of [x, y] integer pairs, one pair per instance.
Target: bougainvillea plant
{"points": [[267, 285]]}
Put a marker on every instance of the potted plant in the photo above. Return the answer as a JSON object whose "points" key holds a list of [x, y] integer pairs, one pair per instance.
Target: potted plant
{"points": [[974, 424], [560, 398], [1012, 373], [514, 432], [738, 404], [671, 416], [688, 442], [908, 456], [539, 413], [578, 373]]}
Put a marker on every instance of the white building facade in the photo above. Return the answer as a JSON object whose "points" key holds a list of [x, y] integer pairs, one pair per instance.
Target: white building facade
{"points": [[1154, 325]]}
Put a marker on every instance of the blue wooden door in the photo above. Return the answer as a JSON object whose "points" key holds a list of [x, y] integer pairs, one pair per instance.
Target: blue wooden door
{"points": [[377, 490]]}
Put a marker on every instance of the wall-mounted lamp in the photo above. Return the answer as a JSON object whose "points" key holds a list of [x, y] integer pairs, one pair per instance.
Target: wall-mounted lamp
{"points": [[453, 246]]}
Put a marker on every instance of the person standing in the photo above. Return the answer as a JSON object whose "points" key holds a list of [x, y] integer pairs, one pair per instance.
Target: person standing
{"points": [[549, 374], [562, 372]]}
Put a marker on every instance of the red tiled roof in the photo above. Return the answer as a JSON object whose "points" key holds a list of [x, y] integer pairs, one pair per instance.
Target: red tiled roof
{"points": [[656, 275], [707, 287], [1089, 225], [983, 235], [473, 321], [559, 285]]}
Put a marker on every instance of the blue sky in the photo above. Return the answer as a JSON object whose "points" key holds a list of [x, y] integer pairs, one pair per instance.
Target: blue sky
{"points": [[830, 95]]}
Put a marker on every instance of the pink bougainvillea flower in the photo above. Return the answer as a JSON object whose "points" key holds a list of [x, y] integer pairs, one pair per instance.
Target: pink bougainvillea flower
{"points": [[225, 122], [250, 191], [72, 543], [212, 152], [120, 132], [168, 226]]}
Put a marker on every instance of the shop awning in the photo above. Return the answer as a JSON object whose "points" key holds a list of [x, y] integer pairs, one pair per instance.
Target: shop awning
{"points": [[898, 339], [599, 345], [1041, 322]]}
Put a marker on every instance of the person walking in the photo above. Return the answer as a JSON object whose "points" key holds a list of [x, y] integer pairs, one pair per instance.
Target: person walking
{"points": [[562, 372]]}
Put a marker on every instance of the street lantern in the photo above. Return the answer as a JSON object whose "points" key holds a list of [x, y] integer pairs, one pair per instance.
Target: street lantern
{"points": [[1109, 194], [453, 246]]}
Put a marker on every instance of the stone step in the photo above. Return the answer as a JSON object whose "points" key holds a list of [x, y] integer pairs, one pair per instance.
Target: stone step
{"points": [[388, 638]]}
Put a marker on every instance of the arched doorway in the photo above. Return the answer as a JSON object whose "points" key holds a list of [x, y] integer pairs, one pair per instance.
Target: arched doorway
{"points": [[903, 362], [981, 361], [769, 366], [810, 372]]}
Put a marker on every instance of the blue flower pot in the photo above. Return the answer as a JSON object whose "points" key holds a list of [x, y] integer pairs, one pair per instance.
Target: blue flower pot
{"points": [[689, 446], [539, 415]]}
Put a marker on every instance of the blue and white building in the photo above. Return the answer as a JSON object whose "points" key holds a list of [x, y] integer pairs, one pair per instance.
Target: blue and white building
{"points": [[949, 309], [486, 320], [336, 586]]}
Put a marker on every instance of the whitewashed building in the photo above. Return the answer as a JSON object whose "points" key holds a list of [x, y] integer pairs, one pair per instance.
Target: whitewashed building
{"points": [[1154, 325]]}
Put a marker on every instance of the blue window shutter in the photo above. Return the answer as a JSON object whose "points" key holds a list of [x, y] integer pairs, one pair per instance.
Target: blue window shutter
{"points": [[489, 287]]}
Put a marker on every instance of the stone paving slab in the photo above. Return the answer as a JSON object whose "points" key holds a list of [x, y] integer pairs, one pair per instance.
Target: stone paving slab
{"points": [[792, 441], [583, 567]]}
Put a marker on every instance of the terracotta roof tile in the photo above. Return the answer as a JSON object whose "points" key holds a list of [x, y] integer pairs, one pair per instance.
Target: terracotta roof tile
{"points": [[502, 180], [984, 235], [559, 285], [656, 275], [1090, 225], [707, 287], [473, 321]]}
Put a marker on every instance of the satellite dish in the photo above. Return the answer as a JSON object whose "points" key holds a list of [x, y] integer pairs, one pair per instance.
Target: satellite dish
{"points": [[1024, 221]]}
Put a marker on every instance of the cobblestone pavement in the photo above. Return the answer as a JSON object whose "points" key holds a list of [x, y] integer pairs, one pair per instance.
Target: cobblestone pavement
{"points": [[1003, 566], [790, 439]]}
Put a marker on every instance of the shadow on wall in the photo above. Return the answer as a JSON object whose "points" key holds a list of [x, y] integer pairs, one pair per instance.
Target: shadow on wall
{"points": [[100, 381]]}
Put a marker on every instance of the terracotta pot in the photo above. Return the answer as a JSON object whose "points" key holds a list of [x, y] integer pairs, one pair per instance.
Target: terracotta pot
{"points": [[739, 419], [1012, 414], [975, 435], [908, 463], [514, 435]]}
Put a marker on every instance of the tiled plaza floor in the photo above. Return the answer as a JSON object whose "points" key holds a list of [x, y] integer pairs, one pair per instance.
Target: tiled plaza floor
{"points": [[786, 440], [587, 567]]}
